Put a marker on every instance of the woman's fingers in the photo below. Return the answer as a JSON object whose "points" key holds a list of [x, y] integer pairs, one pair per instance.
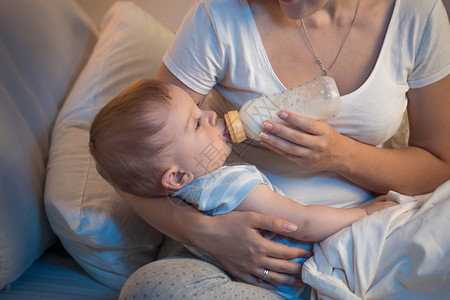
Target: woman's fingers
{"points": [[273, 260], [288, 276], [283, 252], [272, 278], [246, 255], [284, 145], [272, 224], [300, 141], [282, 266], [277, 279], [308, 135], [306, 124], [275, 257], [294, 134], [280, 226], [254, 280], [309, 143]]}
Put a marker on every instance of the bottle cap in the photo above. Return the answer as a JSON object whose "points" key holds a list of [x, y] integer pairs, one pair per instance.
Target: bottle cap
{"points": [[234, 126]]}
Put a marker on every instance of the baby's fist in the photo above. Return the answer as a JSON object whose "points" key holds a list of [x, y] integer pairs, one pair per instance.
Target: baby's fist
{"points": [[377, 204]]}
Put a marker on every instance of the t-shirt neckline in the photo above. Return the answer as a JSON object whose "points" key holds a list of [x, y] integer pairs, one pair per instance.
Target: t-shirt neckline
{"points": [[268, 66]]}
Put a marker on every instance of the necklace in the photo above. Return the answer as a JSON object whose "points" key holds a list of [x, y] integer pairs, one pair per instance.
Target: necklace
{"points": [[316, 57]]}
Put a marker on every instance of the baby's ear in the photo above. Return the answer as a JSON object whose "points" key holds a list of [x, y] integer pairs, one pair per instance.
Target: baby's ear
{"points": [[174, 179]]}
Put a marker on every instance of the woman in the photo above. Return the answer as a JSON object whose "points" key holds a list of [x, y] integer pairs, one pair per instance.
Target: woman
{"points": [[385, 56]]}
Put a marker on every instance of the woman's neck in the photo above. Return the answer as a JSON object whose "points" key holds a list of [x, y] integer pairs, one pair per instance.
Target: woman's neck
{"points": [[336, 13]]}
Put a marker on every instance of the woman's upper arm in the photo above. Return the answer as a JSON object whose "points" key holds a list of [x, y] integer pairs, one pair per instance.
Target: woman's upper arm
{"points": [[165, 75], [429, 106], [429, 117]]}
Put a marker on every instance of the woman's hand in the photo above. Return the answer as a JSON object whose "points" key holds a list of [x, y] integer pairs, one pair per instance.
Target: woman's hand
{"points": [[309, 143], [233, 239]]}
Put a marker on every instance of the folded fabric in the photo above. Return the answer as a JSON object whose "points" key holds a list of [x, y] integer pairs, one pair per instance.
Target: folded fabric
{"points": [[402, 251]]}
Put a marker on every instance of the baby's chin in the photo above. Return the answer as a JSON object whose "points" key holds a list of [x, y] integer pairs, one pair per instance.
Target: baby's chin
{"points": [[229, 148], [228, 143], [218, 164]]}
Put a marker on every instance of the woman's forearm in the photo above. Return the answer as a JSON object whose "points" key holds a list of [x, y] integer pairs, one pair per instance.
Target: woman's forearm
{"points": [[171, 216], [423, 166], [411, 170]]}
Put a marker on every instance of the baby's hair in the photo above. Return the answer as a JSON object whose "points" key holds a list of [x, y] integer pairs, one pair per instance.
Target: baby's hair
{"points": [[123, 142]]}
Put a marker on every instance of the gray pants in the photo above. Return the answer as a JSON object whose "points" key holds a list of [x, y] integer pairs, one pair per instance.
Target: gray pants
{"points": [[177, 274]]}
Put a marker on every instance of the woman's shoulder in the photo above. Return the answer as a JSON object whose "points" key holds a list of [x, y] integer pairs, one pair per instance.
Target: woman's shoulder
{"points": [[222, 5], [413, 9], [421, 20], [226, 14], [413, 20], [230, 19]]}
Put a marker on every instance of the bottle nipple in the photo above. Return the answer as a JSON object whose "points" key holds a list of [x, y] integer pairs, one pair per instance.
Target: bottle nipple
{"points": [[234, 126]]}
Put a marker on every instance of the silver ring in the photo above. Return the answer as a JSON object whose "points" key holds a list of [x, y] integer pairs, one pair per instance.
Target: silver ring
{"points": [[263, 275]]}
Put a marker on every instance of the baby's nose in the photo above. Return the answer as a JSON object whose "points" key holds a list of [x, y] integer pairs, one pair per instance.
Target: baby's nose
{"points": [[212, 118]]}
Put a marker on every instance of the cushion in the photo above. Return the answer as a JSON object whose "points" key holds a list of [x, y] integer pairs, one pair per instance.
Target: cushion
{"points": [[56, 276], [43, 46], [98, 228]]}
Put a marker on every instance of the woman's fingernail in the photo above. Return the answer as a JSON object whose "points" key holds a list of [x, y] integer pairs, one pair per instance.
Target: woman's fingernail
{"points": [[263, 136], [289, 227], [267, 125], [282, 115]]}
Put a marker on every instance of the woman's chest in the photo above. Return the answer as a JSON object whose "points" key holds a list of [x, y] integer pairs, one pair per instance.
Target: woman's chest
{"points": [[293, 52]]}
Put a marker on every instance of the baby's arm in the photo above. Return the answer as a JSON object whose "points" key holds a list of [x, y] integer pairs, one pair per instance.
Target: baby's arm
{"points": [[314, 222]]}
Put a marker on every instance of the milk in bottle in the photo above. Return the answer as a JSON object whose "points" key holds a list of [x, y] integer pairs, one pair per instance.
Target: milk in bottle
{"points": [[317, 99]]}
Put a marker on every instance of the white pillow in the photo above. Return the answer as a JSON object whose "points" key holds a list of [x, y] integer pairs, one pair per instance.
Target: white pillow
{"points": [[95, 226]]}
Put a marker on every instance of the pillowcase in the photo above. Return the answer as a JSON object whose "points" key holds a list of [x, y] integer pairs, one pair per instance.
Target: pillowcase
{"points": [[105, 236], [43, 45]]}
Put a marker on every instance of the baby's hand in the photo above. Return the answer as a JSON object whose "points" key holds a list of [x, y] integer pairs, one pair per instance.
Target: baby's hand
{"points": [[376, 204]]}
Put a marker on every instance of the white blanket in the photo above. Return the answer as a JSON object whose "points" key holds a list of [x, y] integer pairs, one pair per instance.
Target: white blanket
{"points": [[402, 252]]}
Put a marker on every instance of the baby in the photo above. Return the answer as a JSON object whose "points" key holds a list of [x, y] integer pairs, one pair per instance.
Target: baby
{"points": [[152, 140]]}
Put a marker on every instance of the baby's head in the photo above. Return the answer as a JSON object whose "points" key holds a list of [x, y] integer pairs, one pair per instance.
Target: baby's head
{"points": [[152, 139]]}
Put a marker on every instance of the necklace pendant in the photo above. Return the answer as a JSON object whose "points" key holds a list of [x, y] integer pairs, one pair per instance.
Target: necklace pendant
{"points": [[317, 60], [325, 71]]}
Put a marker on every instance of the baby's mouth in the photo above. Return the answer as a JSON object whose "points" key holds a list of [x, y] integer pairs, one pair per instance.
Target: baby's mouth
{"points": [[226, 135]]}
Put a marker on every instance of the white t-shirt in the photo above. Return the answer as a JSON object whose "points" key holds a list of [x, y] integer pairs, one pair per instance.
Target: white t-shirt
{"points": [[218, 46]]}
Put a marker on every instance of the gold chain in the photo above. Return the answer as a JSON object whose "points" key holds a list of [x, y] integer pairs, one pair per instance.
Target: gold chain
{"points": [[316, 57]]}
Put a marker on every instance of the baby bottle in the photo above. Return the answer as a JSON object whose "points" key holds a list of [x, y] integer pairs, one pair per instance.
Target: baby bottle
{"points": [[317, 99]]}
